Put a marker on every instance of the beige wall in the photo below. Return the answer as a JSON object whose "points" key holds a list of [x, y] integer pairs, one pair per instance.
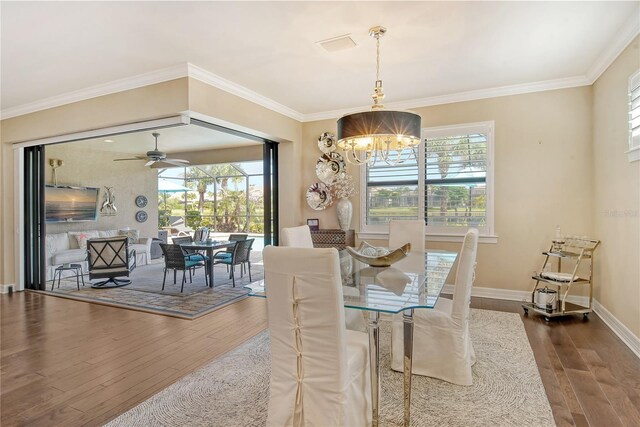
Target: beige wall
{"points": [[222, 155], [150, 102], [616, 193], [542, 176], [92, 168]]}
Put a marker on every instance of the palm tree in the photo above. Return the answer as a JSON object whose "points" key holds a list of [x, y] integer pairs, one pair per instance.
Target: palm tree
{"points": [[200, 177]]}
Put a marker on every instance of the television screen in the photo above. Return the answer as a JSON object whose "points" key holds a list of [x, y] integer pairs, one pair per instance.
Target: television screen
{"points": [[65, 204]]}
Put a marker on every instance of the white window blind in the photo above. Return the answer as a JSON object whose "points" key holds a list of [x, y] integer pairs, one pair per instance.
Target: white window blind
{"points": [[449, 184], [634, 116], [456, 180]]}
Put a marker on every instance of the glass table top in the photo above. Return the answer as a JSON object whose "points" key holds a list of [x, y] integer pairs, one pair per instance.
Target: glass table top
{"points": [[414, 282]]}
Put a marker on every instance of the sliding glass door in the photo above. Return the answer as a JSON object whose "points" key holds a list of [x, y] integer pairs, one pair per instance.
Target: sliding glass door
{"points": [[34, 218], [270, 168]]}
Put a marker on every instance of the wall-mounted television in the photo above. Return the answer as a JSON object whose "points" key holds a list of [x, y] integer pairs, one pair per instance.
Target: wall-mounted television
{"points": [[70, 204]]}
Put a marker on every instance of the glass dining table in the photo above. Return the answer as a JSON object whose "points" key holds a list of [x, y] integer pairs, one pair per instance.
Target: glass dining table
{"points": [[414, 282]]}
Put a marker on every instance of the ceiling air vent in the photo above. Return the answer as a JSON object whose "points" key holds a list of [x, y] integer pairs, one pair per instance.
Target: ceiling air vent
{"points": [[335, 44]]}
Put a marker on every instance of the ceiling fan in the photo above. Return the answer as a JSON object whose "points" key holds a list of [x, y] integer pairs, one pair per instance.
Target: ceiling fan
{"points": [[156, 156]]}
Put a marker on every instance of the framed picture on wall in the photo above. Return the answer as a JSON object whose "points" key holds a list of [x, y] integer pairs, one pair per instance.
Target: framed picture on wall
{"points": [[314, 224]]}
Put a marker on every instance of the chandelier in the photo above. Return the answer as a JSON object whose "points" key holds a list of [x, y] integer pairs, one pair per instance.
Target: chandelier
{"points": [[379, 134]]}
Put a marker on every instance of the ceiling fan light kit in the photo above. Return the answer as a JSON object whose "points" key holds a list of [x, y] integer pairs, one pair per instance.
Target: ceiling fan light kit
{"points": [[156, 156], [379, 134]]}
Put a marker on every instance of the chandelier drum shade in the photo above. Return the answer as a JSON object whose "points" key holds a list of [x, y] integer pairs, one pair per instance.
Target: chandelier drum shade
{"points": [[379, 134]]}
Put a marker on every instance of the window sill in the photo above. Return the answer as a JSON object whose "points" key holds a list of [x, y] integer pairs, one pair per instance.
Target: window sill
{"points": [[634, 154], [456, 238]]}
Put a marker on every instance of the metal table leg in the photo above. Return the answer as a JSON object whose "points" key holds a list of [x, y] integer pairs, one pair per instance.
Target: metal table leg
{"points": [[407, 317], [374, 363]]}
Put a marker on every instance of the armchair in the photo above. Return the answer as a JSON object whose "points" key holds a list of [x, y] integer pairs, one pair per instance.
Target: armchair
{"points": [[110, 258]]}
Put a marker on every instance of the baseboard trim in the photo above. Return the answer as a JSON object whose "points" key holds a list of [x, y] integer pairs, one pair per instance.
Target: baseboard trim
{"points": [[8, 288], [617, 327]]}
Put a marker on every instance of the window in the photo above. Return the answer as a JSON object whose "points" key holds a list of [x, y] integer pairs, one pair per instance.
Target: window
{"points": [[634, 117], [450, 184]]}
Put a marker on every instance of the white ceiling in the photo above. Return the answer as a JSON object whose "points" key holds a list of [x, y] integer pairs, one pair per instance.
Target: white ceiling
{"points": [[171, 140], [431, 48]]}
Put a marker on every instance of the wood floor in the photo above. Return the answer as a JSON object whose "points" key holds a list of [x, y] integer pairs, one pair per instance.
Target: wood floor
{"points": [[69, 363]]}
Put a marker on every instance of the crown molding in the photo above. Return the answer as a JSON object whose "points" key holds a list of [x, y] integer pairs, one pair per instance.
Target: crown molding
{"points": [[624, 37], [214, 80], [128, 83], [472, 95]]}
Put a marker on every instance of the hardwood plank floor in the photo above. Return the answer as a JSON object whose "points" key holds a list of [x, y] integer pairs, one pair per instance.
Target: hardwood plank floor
{"points": [[72, 363]]}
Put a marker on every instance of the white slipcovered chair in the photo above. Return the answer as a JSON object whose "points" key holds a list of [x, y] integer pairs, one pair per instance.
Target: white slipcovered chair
{"points": [[299, 237], [406, 231], [441, 343], [319, 370]]}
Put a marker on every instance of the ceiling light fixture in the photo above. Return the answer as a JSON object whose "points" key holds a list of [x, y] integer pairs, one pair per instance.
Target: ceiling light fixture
{"points": [[379, 134]]}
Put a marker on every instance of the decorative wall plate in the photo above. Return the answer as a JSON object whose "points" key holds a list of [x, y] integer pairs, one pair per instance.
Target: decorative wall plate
{"points": [[141, 201], [319, 196], [141, 216], [327, 142], [329, 167]]}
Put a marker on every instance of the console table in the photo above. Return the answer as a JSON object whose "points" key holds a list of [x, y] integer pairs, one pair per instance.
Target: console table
{"points": [[333, 238]]}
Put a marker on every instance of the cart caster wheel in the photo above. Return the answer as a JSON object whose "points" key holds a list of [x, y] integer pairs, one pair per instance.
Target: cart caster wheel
{"points": [[526, 311], [585, 316], [547, 319]]}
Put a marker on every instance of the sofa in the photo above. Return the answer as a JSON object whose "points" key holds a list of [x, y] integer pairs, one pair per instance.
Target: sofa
{"points": [[63, 248]]}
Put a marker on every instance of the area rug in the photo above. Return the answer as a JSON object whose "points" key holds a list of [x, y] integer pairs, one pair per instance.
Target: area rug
{"points": [[145, 291], [234, 389]]}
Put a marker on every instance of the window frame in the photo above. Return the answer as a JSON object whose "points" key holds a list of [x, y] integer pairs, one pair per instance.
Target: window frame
{"points": [[440, 233], [634, 149]]}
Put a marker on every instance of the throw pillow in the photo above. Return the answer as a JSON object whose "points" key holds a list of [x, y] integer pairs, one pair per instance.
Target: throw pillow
{"points": [[132, 235], [81, 237]]}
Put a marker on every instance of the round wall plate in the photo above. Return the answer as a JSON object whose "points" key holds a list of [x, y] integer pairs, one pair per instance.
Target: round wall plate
{"points": [[141, 201], [329, 167], [327, 142], [141, 216], [318, 196]]}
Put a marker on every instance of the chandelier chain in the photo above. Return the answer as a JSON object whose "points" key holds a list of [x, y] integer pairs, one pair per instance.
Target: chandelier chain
{"points": [[377, 57]]}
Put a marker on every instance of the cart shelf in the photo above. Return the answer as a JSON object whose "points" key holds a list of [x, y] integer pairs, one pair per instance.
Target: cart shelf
{"points": [[560, 282], [565, 254]]}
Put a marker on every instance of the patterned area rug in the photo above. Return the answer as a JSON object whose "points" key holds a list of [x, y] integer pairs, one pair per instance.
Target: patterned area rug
{"points": [[145, 291], [234, 389]]}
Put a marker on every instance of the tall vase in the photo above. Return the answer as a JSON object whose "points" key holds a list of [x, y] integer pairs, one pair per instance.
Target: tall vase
{"points": [[345, 211]]}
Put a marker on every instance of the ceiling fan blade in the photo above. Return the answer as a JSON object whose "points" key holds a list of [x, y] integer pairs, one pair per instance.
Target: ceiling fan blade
{"points": [[176, 161], [150, 162], [131, 158], [172, 162]]}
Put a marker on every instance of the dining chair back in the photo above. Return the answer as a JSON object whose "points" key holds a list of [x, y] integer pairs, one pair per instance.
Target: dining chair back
{"points": [[407, 231], [319, 373], [235, 238], [465, 275], [299, 237], [201, 234], [182, 240], [238, 236]]}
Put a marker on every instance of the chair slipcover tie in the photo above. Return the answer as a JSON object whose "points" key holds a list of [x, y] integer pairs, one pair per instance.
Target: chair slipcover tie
{"points": [[298, 418]]}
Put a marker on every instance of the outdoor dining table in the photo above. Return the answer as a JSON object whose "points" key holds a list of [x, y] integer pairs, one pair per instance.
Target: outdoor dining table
{"points": [[209, 247], [415, 282]]}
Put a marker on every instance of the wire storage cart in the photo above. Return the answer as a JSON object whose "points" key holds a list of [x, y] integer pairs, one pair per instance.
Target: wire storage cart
{"points": [[576, 253]]}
